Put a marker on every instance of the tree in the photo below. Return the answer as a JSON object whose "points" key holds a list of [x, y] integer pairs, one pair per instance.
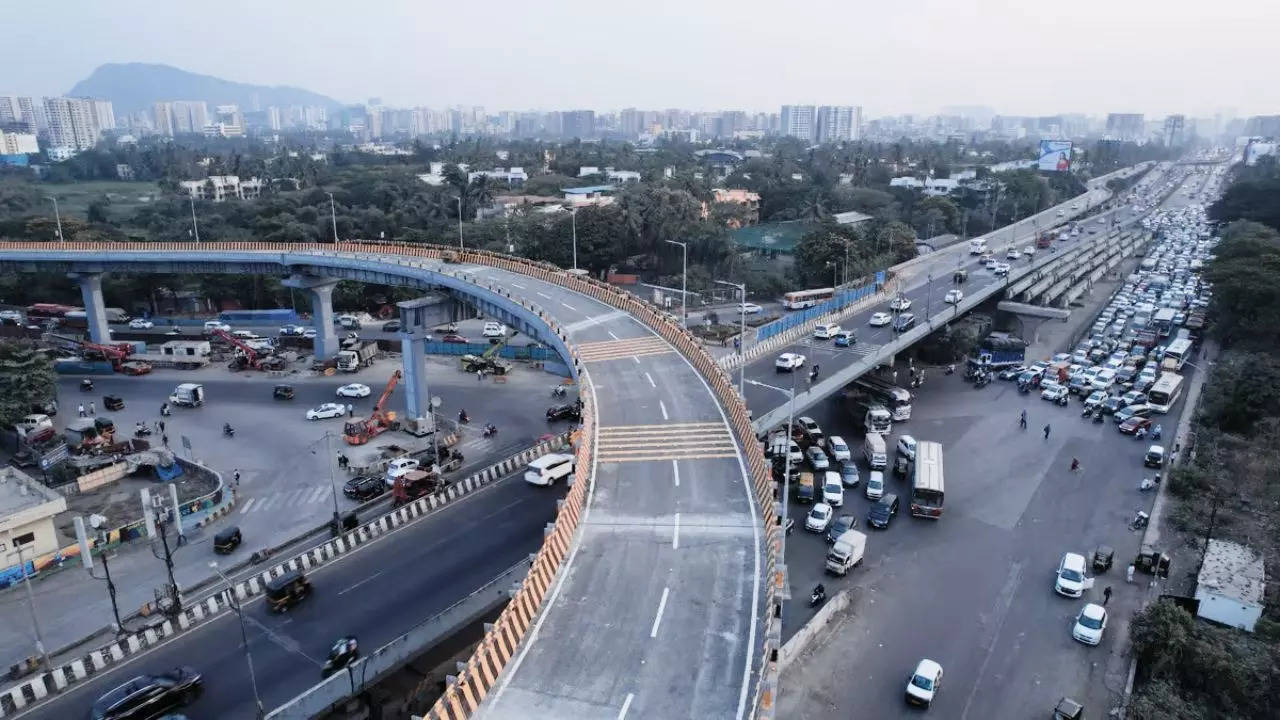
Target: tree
{"points": [[26, 381], [936, 215], [1257, 200], [1161, 634], [1246, 279]]}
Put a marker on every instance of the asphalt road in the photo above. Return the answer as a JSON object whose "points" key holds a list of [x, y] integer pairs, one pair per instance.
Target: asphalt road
{"points": [[419, 571], [974, 590]]}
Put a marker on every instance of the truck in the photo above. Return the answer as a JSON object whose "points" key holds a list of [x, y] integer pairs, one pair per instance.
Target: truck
{"points": [[352, 359], [846, 552], [804, 488], [187, 395], [1000, 350], [877, 420], [977, 246], [347, 322]]}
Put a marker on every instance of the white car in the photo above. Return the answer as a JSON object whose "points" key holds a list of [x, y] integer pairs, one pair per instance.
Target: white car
{"points": [[398, 467], [953, 297], [1053, 392], [212, 325], [902, 302], [1001, 268], [1090, 624], [1013, 254], [874, 489], [833, 490], [789, 361], [1071, 579], [327, 410], [907, 447], [494, 330], [309, 333], [881, 319], [817, 458], [923, 683], [354, 390], [818, 519], [838, 448], [244, 335], [141, 324], [749, 308]]}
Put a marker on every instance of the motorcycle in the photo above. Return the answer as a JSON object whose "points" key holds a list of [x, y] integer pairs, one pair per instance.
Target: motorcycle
{"points": [[228, 431], [1149, 483], [558, 391], [344, 652], [1097, 415], [1139, 521], [165, 411], [141, 429], [490, 430], [463, 417], [86, 385], [818, 595], [951, 369], [1087, 411]]}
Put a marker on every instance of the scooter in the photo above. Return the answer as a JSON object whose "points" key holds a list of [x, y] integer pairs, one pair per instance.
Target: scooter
{"points": [[344, 652], [228, 431], [818, 596], [1139, 521], [1149, 483], [141, 429], [490, 430], [463, 417], [1088, 410], [86, 385], [558, 391]]}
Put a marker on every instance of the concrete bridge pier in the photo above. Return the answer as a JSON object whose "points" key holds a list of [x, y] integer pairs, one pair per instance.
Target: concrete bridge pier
{"points": [[415, 325], [95, 309], [321, 292]]}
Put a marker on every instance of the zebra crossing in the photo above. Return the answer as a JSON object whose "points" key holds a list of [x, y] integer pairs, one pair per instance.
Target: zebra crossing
{"points": [[668, 441], [630, 347], [286, 498]]}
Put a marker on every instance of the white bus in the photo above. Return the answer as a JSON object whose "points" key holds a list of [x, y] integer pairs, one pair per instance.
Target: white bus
{"points": [[1165, 392], [801, 299], [1175, 355], [926, 480]]}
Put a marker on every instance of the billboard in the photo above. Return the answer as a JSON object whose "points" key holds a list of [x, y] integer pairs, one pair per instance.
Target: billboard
{"points": [[1055, 156]]}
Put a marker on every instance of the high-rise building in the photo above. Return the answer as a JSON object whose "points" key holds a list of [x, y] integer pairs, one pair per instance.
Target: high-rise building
{"points": [[797, 121], [1174, 130], [163, 112], [1126, 126], [579, 124], [632, 123], [18, 143], [189, 116], [21, 113], [273, 118], [834, 123], [1263, 126], [228, 121], [72, 123], [104, 115]]}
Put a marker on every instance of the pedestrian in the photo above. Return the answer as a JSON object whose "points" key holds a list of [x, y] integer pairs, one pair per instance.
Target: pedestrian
{"points": [[1128, 577], [724, 341], [159, 426], [165, 438], [1106, 595], [235, 478], [1176, 448], [1046, 432], [737, 343], [895, 377], [82, 414], [1075, 464], [161, 423], [480, 376], [351, 411], [1022, 421], [92, 409]]}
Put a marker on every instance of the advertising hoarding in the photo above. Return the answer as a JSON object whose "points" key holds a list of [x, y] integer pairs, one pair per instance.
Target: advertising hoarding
{"points": [[1055, 156]]}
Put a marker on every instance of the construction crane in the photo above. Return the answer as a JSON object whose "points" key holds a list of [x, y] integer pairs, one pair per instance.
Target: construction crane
{"points": [[359, 431], [248, 357], [114, 353]]}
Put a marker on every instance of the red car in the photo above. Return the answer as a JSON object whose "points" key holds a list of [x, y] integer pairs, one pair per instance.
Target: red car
{"points": [[1131, 426], [137, 367], [454, 339]]}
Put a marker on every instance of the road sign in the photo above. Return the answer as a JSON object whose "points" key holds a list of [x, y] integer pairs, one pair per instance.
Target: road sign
{"points": [[53, 457]]}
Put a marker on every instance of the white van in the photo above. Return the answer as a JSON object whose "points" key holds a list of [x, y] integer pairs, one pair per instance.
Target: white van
{"points": [[873, 450], [825, 331], [549, 468]]}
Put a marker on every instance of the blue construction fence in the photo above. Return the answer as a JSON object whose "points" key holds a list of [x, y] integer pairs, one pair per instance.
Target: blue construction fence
{"points": [[535, 353], [843, 298]]}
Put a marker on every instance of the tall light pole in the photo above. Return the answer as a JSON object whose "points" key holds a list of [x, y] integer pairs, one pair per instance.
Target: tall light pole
{"points": [[786, 472], [573, 218], [333, 214], [195, 229], [31, 601], [333, 488], [57, 216], [459, 199], [742, 332], [684, 282], [244, 635]]}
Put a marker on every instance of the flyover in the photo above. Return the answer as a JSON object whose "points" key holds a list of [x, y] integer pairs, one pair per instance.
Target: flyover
{"points": [[655, 588]]}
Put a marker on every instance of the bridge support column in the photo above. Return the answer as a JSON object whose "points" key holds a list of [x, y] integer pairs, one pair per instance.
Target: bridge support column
{"points": [[321, 292], [416, 317], [95, 309]]}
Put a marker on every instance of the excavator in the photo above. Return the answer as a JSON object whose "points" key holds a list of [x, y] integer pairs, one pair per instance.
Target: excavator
{"points": [[359, 431], [114, 353], [248, 357], [489, 362]]}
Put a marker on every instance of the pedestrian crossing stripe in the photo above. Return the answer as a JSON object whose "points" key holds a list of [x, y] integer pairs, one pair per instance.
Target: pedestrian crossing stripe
{"points": [[630, 347], [668, 441], [287, 498]]}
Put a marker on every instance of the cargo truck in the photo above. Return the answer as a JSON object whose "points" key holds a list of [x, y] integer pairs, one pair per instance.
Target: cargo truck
{"points": [[353, 359]]}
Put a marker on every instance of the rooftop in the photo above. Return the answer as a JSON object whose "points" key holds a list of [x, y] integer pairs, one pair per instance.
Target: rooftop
{"points": [[1233, 571], [589, 190], [19, 492]]}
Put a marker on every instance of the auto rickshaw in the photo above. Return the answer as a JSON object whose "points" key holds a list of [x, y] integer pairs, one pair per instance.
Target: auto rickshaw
{"points": [[1102, 557], [227, 540], [287, 590], [960, 276], [282, 392], [113, 402], [1068, 709]]}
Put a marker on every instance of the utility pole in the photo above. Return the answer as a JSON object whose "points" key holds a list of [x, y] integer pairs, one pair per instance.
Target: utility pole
{"points": [[684, 281], [195, 229], [333, 214], [57, 216], [573, 215], [101, 539], [31, 599], [244, 636], [742, 332], [459, 198]]}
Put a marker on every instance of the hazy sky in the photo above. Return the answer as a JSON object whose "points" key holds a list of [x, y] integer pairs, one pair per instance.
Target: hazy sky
{"points": [[892, 56]]}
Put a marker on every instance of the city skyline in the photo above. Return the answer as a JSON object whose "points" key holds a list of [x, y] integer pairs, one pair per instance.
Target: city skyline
{"points": [[475, 56]]}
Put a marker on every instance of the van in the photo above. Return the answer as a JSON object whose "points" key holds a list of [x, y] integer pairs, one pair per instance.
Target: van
{"points": [[873, 450], [549, 468], [826, 331], [847, 552], [804, 488]]}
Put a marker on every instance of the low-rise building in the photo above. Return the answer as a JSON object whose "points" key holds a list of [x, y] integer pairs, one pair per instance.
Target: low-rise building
{"points": [[590, 195], [18, 143], [27, 509], [747, 200], [219, 188], [1231, 586], [516, 176]]}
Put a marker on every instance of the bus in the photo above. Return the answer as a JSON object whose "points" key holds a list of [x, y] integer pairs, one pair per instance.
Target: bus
{"points": [[895, 399], [1165, 392], [1176, 354], [801, 299], [1162, 321], [44, 311], [926, 480]]}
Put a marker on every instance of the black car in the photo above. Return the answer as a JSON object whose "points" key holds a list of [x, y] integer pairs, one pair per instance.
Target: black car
{"points": [[904, 322], [840, 526], [391, 326], [149, 696], [564, 412], [883, 511], [364, 487], [1112, 404], [1009, 373]]}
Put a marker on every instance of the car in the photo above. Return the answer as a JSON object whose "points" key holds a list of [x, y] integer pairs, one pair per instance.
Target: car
{"points": [[212, 325], [1090, 624], [135, 367], [953, 297], [1134, 397], [1134, 424], [845, 338], [750, 308], [874, 489], [849, 473], [839, 449], [902, 302], [841, 525], [819, 518], [880, 319], [292, 330], [401, 466], [1154, 457], [244, 335], [1010, 372], [309, 333], [141, 324], [788, 362], [1112, 404], [494, 330], [904, 322], [825, 331], [907, 447], [354, 390], [454, 338], [1096, 398], [1054, 392], [817, 458], [923, 684], [391, 326], [364, 487], [1131, 411], [811, 429], [570, 411], [149, 696], [326, 411], [1001, 268], [882, 512], [1013, 254], [833, 490], [1071, 580]]}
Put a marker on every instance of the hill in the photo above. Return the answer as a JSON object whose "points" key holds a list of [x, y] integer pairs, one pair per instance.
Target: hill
{"points": [[136, 86]]}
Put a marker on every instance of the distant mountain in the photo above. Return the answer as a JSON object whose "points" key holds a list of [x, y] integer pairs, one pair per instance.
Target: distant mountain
{"points": [[136, 86]]}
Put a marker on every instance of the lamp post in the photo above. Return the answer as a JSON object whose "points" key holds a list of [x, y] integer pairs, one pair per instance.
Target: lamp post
{"points": [[684, 281], [244, 635], [31, 600], [333, 488], [786, 472], [573, 218], [459, 199], [333, 215], [742, 332], [57, 216], [195, 229]]}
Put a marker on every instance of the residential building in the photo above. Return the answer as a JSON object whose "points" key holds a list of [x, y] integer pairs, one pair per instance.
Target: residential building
{"points": [[747, 200], [60, 153], [22, 114], [219, 188], [632, 123], [124, 171], [104, 115], [163, 121], [1126, 126], [1263, 126], [835, 123], [227, 122], [27, 509], [189, 116], [18, 143], [590, 195], [72, 122], [1231, 585], [798, 121], [273, 118], [514, 177], [579, 124]]}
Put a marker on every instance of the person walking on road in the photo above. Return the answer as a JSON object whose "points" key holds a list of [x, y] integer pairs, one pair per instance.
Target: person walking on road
{"points": [[1106, 595], [1075, 464], [82, 413], [165, 439], [1022, 421], [235, 478], [1046, 432], [161, 424], [480, 376], [350, 410], [92, 409]]}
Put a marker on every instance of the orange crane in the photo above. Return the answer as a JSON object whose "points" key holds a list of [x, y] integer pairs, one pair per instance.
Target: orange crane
{"points": [[249, 357], [115, 353], [359, 431]]}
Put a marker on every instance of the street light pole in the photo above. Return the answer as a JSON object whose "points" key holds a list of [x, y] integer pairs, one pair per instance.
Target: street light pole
{"points": [[57, 216], [742, 333], [333, 214], [329, 460], [573, 216], [684, 281], [31, 602], [459, 198], [244, 635], [195, 229], [786, 471]]}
